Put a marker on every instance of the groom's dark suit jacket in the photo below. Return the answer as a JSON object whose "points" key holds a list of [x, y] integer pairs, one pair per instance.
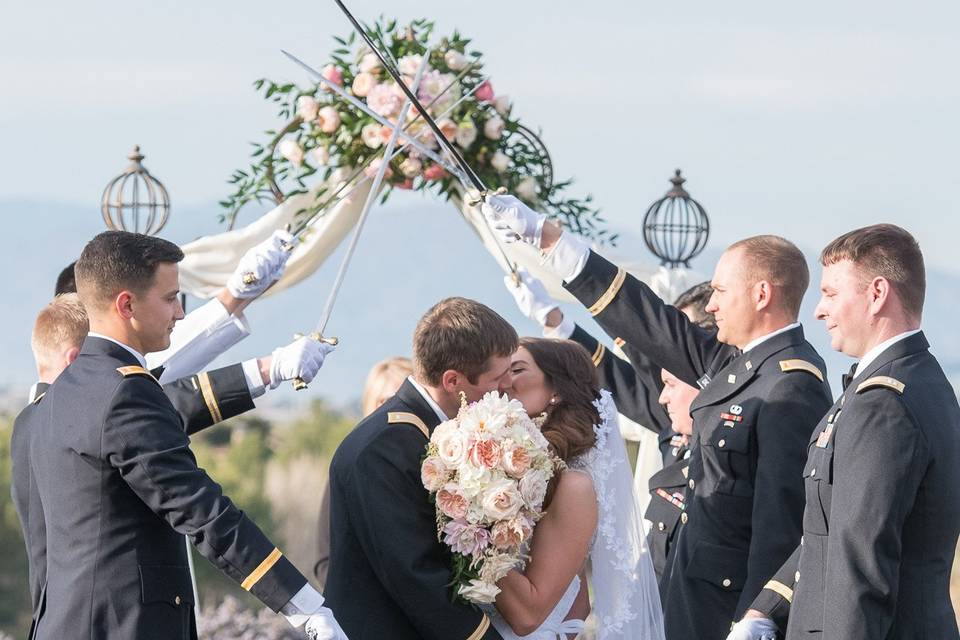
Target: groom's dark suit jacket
{"points": [[389, 574]]}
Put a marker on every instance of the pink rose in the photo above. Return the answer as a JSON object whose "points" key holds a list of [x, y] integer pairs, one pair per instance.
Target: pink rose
{"points": [[385, 100], [493, 128], [307, 108], [406, 184], [433, 473], [516, 461], [466, 539], [434, 172], [451, 502], [485, 453], [329, 119], [484, 92], [333, 74], [374, 166]]}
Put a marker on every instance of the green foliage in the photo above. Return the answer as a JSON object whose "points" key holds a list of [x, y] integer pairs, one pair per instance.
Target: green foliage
{"points": [[14, 587]]}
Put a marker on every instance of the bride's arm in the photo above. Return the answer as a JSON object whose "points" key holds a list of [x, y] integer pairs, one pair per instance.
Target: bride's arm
{"points": [[560, 545]]}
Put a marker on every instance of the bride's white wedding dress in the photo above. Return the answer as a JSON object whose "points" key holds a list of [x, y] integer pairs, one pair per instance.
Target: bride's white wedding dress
{"points": [[626, 603]]}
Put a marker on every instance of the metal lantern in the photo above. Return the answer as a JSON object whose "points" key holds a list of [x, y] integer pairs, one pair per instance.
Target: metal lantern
{"points": [[135, 200], [676, 227]]}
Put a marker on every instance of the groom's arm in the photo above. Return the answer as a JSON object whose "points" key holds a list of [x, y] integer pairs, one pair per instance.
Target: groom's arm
{"points": [[397, 529]]}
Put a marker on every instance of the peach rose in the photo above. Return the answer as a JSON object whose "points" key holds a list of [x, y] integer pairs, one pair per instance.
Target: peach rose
{"points": [[451, 502], [329, 119], [292, 151], [434, 172], [363, 84], [493, 128], [307, 108], [370, 134], [486, 453], [450, 444], [500, 161], [516, 461], [533, 488], [320, 156], [448, 128], [455, 60], [371, 172], [369, 63], [433, 473], [333, 74], [411, 167], [501, 500]]}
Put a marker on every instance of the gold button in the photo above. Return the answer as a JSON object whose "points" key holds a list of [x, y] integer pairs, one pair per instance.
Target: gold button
{"points": [[722, 443], [727, 582], [176, 600], [692, 484], [683, 518], [661, 526]]}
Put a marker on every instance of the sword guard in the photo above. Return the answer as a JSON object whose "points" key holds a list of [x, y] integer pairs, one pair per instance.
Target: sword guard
{"points": [[475, 197], [250, 277], [298, 383]]}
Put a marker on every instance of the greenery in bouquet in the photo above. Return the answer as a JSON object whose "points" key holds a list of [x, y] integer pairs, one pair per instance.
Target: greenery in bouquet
{"points": [[325, 137]]}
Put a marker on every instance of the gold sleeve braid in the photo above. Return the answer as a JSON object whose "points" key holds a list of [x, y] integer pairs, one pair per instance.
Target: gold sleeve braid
{"points": [[604, 301]]}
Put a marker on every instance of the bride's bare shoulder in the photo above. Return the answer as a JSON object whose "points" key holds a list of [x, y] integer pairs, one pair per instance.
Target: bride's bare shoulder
{"points": [[574, 487]]}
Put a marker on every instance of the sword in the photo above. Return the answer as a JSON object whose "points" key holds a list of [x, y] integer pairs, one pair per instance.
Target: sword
{"points": [[466, 169], [298, 383]]}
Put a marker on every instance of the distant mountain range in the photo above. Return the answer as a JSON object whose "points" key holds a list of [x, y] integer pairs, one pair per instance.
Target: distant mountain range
{"points": [[409, 257]]}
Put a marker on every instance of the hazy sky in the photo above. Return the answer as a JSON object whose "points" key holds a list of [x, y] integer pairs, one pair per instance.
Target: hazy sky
{"points": [[804, 119]]}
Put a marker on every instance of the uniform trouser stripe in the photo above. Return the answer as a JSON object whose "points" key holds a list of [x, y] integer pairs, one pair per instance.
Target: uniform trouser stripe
{"points": [[261, 570], [481, 629]]}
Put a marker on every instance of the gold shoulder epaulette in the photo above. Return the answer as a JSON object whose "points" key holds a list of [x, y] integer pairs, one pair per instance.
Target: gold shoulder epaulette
{"points": [[881, 381], [801, 365], [134, 370], [402, 417]]}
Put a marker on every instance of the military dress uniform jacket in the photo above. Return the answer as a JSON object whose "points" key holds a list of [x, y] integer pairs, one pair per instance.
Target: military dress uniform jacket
{"points": [[118, 485], [882, 510], [752, 422], [201, 401], [389, 575], [666, 508], [634, 384]]}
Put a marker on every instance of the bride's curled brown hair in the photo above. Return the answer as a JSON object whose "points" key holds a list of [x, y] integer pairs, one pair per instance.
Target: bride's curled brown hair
{"points": [[567, 368]]}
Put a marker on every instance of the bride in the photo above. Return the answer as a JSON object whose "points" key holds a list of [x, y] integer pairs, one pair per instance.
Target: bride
{"points": [[590, 512]]}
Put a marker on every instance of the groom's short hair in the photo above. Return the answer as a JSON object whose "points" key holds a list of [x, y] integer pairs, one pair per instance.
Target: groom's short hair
{"points": [[462, 335]]}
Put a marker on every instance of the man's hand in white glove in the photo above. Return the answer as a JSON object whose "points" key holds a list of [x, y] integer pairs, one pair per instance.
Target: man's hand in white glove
{"points": [[302, 359], [261, 266], [753, 629], [510, 218], [323, 626], [531, 296]]}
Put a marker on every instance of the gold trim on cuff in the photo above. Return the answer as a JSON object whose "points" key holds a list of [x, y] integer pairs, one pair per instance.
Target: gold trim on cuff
{"points": [[481, 629], [597, 356], [206, 389], [610, 293], [780, 589], [261, 570], [401, 417]]}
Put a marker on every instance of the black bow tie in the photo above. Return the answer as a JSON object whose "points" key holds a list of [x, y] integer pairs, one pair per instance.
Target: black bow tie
{"points": [[848, 376]]}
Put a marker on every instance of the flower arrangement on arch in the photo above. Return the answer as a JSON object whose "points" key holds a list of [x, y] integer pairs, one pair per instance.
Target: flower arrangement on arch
{"points": [[487, 472], [325, 136]]}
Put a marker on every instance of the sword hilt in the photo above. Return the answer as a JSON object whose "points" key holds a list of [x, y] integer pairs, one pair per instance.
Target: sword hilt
{"points": [[251, 278], [298, 382], [476, 197]]}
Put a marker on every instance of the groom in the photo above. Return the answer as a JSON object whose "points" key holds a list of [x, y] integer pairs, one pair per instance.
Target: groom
{"points": [[389, 576]]}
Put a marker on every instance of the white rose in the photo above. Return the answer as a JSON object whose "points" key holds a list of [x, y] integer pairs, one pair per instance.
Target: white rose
{"points": [[466, 134], [292, 151], [479, 592], [500, 161], [307, 108], [502, 105], [411, 167], [369, 63], [450, 447], [370, 134], [533, 488], [497, 565], [493, 128], [455, 60], [363, 84], [320, 156], [409, 65], [501, 500], [329, 119], [527, 189]]}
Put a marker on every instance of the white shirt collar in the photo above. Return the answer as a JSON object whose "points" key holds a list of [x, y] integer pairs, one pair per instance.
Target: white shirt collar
{"points": [[136, 354], [757, 341], [871, 355], [426, 396]]}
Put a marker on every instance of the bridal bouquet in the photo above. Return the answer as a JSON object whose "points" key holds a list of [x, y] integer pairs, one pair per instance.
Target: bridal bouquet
{"points": [[487, 472]]}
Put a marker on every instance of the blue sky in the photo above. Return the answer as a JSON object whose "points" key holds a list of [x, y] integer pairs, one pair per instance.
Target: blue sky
{"points": [[802, 119]]}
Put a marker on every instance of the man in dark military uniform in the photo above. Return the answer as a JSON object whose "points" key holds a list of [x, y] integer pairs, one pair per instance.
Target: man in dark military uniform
{"points": [[389, 576], [201, 400], [763, 391], [117, 480], [882, 513]]}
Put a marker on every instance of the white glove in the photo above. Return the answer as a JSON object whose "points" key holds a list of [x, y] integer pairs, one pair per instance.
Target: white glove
{"points": [[753, 629], [510, 218], [302, 359], [531, 296], [261, 266], [323, 626]]}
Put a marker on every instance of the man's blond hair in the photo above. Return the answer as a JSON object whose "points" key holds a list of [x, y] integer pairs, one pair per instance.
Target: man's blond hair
{"points": [[60, 325]]}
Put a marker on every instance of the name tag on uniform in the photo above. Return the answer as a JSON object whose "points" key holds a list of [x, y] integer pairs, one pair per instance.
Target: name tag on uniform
{"points": [[824, 438]]}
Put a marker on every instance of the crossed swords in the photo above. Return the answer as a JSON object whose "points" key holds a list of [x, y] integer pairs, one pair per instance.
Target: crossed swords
{"points": [[468, 178]]}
